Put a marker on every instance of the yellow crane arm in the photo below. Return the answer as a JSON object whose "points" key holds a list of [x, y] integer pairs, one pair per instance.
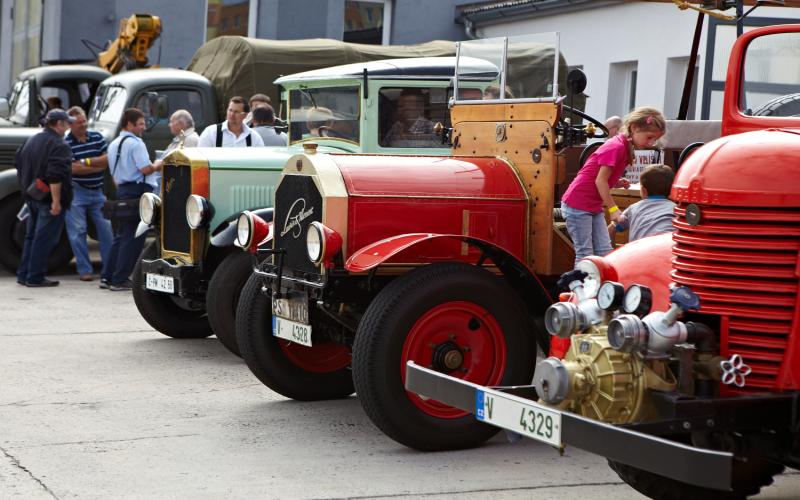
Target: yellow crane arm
{"points": [[129, 51]]}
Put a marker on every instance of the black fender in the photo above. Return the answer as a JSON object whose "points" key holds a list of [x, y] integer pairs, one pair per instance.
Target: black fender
{"points": [[533, 292], [225, 234]]}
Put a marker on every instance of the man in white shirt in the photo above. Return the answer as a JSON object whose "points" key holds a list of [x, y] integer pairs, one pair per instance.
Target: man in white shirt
{"points": [[233, 132]]}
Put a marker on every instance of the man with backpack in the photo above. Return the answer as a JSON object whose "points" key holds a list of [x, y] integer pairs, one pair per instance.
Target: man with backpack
{"points": [[233, 132]]}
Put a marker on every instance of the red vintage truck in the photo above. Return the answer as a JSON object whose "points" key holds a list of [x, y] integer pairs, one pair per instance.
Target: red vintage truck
{"points": [[677, 357]]}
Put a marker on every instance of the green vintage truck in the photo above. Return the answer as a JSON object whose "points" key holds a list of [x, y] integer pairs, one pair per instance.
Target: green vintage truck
{"points": [[188, 281], [221, 68]]}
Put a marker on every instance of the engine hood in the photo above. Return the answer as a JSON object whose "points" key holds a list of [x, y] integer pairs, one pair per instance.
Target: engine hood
{"points": [[429, 177], [648, 262], [750, 169]]}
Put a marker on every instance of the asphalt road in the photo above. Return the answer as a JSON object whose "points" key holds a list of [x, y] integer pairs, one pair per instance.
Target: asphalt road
{"points": [[95, 404]]}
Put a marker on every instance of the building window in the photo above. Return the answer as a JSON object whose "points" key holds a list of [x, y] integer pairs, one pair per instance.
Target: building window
{"points": [[26, 37], [368, 21], [227, 17], [673, 90], [621, 88]]}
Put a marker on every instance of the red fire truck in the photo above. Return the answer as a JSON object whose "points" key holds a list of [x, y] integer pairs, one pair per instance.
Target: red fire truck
{"points": [[677, 357]]}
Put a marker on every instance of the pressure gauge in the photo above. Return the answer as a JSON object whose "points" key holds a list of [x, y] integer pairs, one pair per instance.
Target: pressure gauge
{"points": [[638, 300], [610, 295]]}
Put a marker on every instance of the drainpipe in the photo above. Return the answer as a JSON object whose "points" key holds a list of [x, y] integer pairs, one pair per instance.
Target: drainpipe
{"points": [[469, 29]]}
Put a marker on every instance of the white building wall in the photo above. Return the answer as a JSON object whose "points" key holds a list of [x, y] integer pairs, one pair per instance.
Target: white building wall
{"points": [[649, 34]]}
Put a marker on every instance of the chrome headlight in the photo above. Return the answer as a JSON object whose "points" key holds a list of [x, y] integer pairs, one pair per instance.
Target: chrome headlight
{"points": [[149, 204], [244, 230], [314, 242], [197, 211]]}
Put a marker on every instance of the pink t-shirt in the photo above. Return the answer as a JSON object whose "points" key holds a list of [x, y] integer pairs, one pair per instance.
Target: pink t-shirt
{"points": [[582, 192]]}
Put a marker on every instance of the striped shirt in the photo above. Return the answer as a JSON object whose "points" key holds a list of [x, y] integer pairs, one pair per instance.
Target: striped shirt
{"points": [[94, 146]]}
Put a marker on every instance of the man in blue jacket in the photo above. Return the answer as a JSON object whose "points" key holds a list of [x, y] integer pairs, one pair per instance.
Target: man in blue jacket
{"points": [[45, 159]]}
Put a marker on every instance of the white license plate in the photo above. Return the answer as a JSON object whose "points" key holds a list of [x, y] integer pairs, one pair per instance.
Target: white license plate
{"points": [[291, 330], [160, 283], [518, 415]]}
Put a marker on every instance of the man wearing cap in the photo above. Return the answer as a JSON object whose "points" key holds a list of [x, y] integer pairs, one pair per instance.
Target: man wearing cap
{"points": [[46, 157]]}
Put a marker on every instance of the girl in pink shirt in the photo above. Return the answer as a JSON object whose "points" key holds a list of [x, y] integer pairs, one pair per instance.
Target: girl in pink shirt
{"points": [[590, 191]]}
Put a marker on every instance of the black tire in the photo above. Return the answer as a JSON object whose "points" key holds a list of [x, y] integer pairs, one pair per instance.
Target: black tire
{"points": [[785, 105], [267, 359], [587, 152], [687, 152], [223, 293], [748, 479], [162, 311], [12, 238], [393, 316]]}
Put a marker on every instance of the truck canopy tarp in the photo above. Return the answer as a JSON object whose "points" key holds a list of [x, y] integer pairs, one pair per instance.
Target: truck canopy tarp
{"points": [[243, 66]]}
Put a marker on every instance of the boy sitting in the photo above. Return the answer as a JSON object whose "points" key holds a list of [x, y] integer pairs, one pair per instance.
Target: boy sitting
{"points": [[652, 215]]}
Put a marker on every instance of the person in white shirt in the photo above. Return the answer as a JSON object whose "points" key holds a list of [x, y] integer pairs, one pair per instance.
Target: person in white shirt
{"points": [[233, 132]]}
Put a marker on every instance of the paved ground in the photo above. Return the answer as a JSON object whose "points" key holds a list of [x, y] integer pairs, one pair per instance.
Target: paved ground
{"points": [[95, 404]]}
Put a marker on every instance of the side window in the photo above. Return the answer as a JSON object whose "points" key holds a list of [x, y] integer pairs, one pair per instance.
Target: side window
{"points": [[20, 102], [770, 84], [55, 97], [408, 115], [190, 100]]}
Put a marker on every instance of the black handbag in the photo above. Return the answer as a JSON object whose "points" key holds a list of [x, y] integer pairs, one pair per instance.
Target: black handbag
{"points": [[125, 209]]}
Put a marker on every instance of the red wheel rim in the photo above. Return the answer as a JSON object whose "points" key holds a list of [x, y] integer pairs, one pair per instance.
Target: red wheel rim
{"points": [[321, 358], [473, 331]]}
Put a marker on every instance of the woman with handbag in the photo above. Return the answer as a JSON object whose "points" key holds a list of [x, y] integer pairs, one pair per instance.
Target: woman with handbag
{"points": [[130, 165]]}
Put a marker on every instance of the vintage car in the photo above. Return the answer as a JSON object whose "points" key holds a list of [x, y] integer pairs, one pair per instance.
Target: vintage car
{"points": [[375, 260], [677, 357], [193, 271]]}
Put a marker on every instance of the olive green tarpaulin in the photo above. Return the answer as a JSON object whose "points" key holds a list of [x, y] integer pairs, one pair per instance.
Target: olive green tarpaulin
{"points": [[245, 66]]}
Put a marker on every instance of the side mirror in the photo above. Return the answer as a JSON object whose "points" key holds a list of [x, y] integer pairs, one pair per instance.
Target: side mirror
{"points": [[576, 81], [4, 108]]}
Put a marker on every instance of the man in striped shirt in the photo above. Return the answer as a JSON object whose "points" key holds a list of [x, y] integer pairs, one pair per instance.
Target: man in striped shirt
{"points": [[89, 162]]}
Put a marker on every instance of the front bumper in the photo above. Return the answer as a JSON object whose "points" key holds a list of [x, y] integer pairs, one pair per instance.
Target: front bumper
{"points": [[701, 467], [187, 277]]}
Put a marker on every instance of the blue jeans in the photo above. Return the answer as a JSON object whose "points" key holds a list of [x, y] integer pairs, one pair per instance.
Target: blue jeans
{"points": [[86, 203], [42, 233], [588, 231], [125, 248]]}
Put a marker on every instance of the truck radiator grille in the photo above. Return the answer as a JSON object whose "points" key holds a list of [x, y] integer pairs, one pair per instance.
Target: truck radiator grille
{"points": [[742, 262], [7, 158], [177, 186]]}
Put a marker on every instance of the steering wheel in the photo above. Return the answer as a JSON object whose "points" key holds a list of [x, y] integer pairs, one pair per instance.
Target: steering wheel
{"points": [[687, 151], [588, 118]]}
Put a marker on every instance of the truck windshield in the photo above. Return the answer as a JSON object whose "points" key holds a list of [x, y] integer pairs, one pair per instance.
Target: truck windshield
{"points": [[771, 85], [331, 112], [109, 104], [19, 103], [525, 67]]}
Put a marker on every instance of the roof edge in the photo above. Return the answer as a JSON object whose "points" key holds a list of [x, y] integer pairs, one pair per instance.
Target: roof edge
{"points": [[488, 13]]}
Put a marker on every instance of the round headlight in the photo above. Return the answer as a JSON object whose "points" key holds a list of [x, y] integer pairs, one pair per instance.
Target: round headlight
{"points": [[148, 205], [244, 230], [196, 211], [314, 243]]}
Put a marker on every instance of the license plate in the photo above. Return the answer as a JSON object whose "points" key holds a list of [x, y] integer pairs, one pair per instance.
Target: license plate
{"points": [[518, 415], [291, 330], [294, 308], [160, 283]]}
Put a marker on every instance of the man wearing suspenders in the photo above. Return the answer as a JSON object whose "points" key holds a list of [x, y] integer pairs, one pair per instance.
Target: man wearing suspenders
{"points": [[233, 132]]}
